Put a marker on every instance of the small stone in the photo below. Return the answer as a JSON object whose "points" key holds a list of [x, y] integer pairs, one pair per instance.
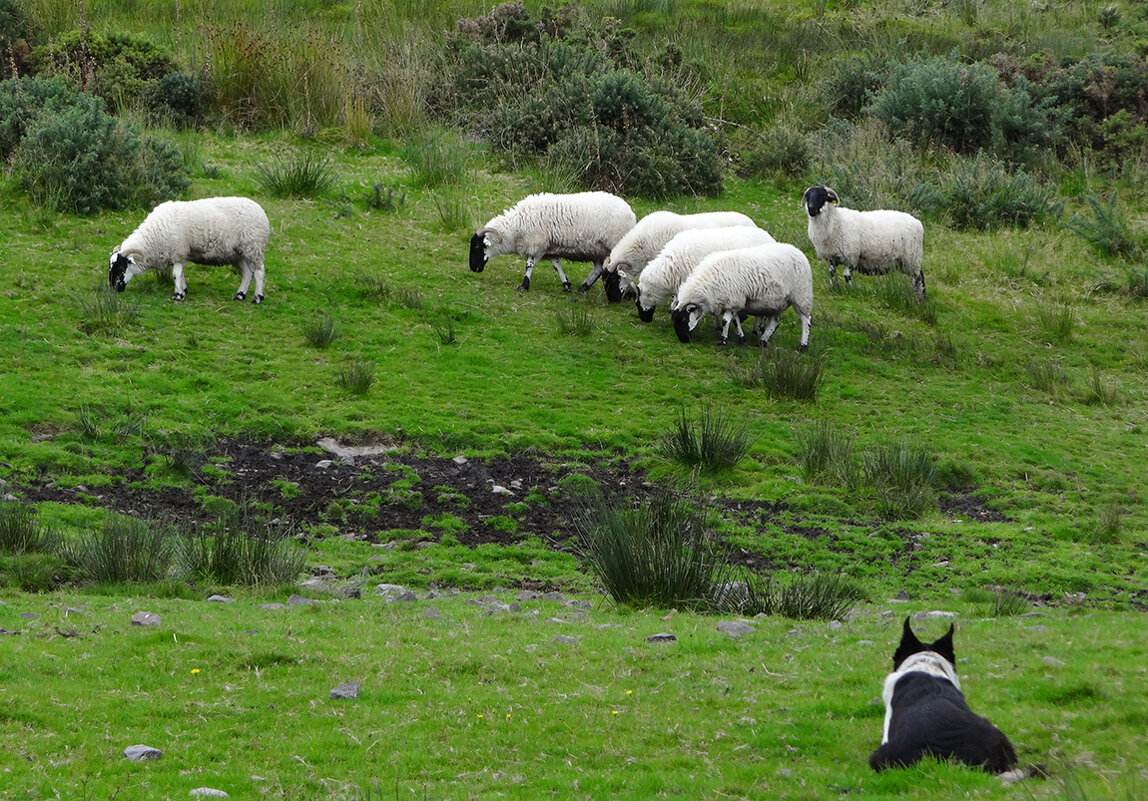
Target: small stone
{"points": [[498, 489], [1052, 661], [221, 599], [864, 642], [902, 595], [662, 637], [29, 616], [138, 753], [145, 619], [834, 625], [735, 628], [323, 464], [75, 610], [272, 606], [348, 690], [527, 595], [433, 613], [1038, 629], [563, 639], [460, 459], [299, 600], [207, 792]]}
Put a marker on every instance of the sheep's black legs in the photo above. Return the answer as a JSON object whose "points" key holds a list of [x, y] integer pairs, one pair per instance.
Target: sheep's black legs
{"points": [[525, 285], [561, 275]]}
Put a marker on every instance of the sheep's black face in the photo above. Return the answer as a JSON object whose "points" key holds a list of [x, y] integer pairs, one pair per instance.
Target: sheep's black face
{"points": [[816, 197], [612, 283], [117, 272], [681, 319], [644, 314], [477, 253]]}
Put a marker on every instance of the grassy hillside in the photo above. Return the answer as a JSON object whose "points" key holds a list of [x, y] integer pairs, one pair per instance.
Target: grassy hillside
{"points": [[1021, 387]]}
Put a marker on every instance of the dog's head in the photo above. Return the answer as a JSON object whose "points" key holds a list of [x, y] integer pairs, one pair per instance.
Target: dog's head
{"points": [[911, 645]]}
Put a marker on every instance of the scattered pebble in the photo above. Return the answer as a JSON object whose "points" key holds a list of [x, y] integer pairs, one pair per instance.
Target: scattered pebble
{"points": [[138, 753], [735, 628], [348, 690], [145, 619], [207, 792], [662, 637]]}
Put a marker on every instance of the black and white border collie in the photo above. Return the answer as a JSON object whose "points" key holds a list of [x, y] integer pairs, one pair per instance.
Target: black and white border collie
{"points": [[926, 713]]}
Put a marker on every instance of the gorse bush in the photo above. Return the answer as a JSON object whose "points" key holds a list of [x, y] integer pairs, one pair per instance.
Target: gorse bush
{"points": [[71, 156], [1108, 229], [658, 553], [711, 441], [118, 67]]}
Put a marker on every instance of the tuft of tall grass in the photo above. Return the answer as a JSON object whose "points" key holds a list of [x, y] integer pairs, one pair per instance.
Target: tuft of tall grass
{"points": [[385, 199], [1108, 526], [300, 175], [321, 331], [453, 211], [123, 549], [437, 159], [896, 291], [375, 286], [902, 474], [107, 312], [357, 376], [445, 331], [658, 553], [32, 571], [824, 450], [22, 532], [1100, 392], [998, 602], [574, 319], [711, 441], [1057, 321], [240, 548], [1047, 375], [784, 374], [801, 597]]}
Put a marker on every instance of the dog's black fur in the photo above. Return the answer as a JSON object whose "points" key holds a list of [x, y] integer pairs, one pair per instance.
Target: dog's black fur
{"points": [[926, 713]]}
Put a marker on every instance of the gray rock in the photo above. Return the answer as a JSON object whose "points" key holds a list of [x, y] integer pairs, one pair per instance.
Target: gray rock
{"points": [[393, 590], [527, 595], [562, 639], [138, 753], [735, 628], [29, 616], [1052, 661], [460, 459], [662, 637], [299, 600], [864, 642], [323, 464], [1038, 629], [433, 613], [221, 599], [349, 453], [207, 792], [834, 625], [934, 615], [145, 619], [348, 690], [498, 489]]}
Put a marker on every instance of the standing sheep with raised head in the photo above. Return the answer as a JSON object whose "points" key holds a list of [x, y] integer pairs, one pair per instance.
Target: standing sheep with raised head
{"points": [[763, 280], [583, 226], [870, 242], [645, 240], [662, 276], [213, 231]]}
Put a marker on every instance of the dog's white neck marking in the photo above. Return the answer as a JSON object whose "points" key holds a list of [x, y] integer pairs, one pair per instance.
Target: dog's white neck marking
{"points": [[923, 662]]}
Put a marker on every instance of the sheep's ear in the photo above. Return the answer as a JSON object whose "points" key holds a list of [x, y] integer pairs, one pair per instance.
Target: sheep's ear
{"points": [[115, 250], [832, 195]]}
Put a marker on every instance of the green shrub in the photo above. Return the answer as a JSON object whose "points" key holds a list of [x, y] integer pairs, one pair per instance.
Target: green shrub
{"points": [[711, 441], [852, 84], [1108, 230], [964, 107], [357, 376], [177, 98], [658, 553], [983, 194], [124, 549], [119, 67], [75, 158]]}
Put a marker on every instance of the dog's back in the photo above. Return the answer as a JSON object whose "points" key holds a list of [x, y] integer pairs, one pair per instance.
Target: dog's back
{"points": [[926, 713]]}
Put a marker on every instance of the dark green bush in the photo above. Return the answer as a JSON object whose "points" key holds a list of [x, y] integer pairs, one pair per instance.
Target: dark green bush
{"points": [[13, 27], [964, 107], [852, 84], [81, 160], [984, 194], [1092, 89], [1108, 229], [23, 101], [117, 67], [177, 97]]}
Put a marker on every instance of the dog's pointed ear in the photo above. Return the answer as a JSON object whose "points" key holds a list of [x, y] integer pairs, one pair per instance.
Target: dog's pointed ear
{"points": [[907, 635], [944, 646]]}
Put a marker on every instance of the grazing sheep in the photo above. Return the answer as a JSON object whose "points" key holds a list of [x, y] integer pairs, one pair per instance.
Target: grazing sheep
{"points": [[667, 271], [763, 280], [870, 242], [216, 230], [645, 240], [583, 226]]}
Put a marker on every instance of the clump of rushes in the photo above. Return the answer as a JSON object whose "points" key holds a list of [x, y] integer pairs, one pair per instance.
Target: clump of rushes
{"points": [[321, 331], [357, 376], [299, 175], [712, 441]]}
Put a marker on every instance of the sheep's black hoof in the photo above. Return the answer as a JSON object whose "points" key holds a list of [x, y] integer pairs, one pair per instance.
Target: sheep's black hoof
{"points": [[722, 342], [258, 299], [179, 296], [803, 348], [522, 288], [583, 288], [240, 296], [565, 286], [741, 339]]}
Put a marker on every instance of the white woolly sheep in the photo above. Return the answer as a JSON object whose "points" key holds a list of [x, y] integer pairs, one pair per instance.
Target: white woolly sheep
{"points": [[666, 272], [213, 231], [645, 240], [870, 242], [583, 226], [763, 280]]}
